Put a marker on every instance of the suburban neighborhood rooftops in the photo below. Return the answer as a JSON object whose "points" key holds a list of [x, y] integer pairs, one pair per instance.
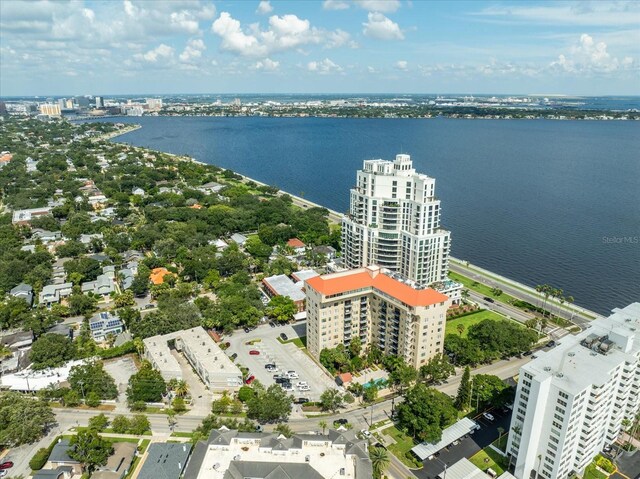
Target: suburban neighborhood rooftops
{"points": [[59, 453], [373, 277], [295, 243]]}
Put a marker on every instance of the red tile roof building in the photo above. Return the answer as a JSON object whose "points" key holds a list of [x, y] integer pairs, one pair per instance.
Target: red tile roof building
{"points": [[381, 310]]}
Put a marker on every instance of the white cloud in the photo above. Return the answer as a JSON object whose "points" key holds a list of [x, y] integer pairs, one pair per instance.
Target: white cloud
{"points": [[324, 67], [384, 6], [371, 69], [161, 52], [380, 27], [193, 50], [334, 5], [574, 13], [339, 38], [267, 65], [589, 56], [284, 32], [233, 38], [264, 7], [402, 65]]}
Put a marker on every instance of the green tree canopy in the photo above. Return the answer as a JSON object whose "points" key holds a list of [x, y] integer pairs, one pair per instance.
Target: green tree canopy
{"points": [[269, 405], [51, 350], [92, 377], [281, 308], [425, 412], [146, 385], [90, 449], [23, 420]]}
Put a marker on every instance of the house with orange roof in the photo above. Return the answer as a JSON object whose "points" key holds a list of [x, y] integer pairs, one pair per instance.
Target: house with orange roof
{"points": [[378, 307], [5, 158], [157, 275], [298, 246]]}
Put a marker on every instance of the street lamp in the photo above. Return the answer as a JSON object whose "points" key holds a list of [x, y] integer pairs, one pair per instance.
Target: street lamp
{"points": [[81, 383], [444, 473]]}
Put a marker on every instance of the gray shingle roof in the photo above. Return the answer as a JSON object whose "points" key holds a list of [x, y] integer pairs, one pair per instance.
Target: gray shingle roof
{"points": [[165, 461], [270, 470], [59, 453]]}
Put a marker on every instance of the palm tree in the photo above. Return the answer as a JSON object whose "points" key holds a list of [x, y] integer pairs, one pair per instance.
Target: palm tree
{"points": [[460, 328], [182, 388], [323, 425], [137, 342], [379, 460], [500, 433]]}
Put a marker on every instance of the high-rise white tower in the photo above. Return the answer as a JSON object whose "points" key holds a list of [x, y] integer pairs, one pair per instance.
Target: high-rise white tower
{"points": [[394, 222]]}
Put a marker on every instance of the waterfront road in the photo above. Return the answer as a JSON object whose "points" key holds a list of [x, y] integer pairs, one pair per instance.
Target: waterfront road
{"points": [[580, 316]]}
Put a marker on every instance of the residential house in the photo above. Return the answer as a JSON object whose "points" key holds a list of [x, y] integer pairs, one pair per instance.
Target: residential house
{"points": [[118, 463], [87, 239], [59, 457], [61, 472], [239, 239], [31, 164], [157, 275], [53, 293], [165, 460], [126, 278], [23, 291], [329, 252], [104, 324], [102, 286], [24, 217], [45, 236], [298, 246], [138, 191], [61, 329], [211, 187]]}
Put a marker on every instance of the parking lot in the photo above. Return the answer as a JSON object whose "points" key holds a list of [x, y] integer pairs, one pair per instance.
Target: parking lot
{"points": [[121, 369], [468, 446], [286, 357]]}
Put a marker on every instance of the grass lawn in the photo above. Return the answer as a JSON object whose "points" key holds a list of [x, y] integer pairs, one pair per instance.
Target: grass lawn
{"points": [[490, 458], [471, 319], [402, 446], [479, 287], [592, 472], [182, 434], [301, 342]]}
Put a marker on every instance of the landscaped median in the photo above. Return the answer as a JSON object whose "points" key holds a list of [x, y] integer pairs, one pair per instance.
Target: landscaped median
{"points": [[454, 325]]}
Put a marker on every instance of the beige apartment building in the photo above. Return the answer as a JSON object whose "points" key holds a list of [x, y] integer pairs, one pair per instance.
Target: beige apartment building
{"points": [[384, 311]]}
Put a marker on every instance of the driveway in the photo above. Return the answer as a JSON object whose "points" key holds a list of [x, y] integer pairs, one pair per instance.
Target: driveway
{"points": [[121, 369], [201, 397], [286, 357]]}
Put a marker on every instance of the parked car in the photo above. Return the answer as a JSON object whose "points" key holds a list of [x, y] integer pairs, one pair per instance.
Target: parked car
{"points": [[304, 388], [342, 421], [6, 465], [528, 353], [247, 330], [3, 472], [234, 356], [250, 379], [302, 400], [488, 299], [551, 344], [149, 306], [488, 416], [284, 337], [365, 433], [272, 324], [254, 352], [269, 366], [301, 383], [292, 375]]}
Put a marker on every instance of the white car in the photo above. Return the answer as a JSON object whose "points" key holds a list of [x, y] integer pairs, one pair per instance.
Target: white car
{"points": [[488, 416], [301, 383], [304, 388], [293, 375], [365, 433]]}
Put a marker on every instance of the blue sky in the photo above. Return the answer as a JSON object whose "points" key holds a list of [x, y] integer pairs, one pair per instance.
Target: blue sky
{"points": [[359, 46]]}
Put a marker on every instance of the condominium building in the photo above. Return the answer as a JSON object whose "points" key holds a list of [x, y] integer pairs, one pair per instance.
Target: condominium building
{"points": [[50, 109], [572, 400], [206, 358], [394, 222], [231, 454], [380, 309]]}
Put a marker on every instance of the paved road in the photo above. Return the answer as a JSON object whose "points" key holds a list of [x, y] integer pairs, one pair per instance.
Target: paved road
{"points": [[500, 307], [508, 286]]}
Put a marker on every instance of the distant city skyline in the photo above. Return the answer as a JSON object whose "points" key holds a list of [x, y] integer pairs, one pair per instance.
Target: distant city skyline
{"points": [[333, 46]]}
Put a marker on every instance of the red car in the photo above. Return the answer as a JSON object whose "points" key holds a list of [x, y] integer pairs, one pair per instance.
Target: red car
{"points": [[249, 380], [254, 352], [6, 465]]}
